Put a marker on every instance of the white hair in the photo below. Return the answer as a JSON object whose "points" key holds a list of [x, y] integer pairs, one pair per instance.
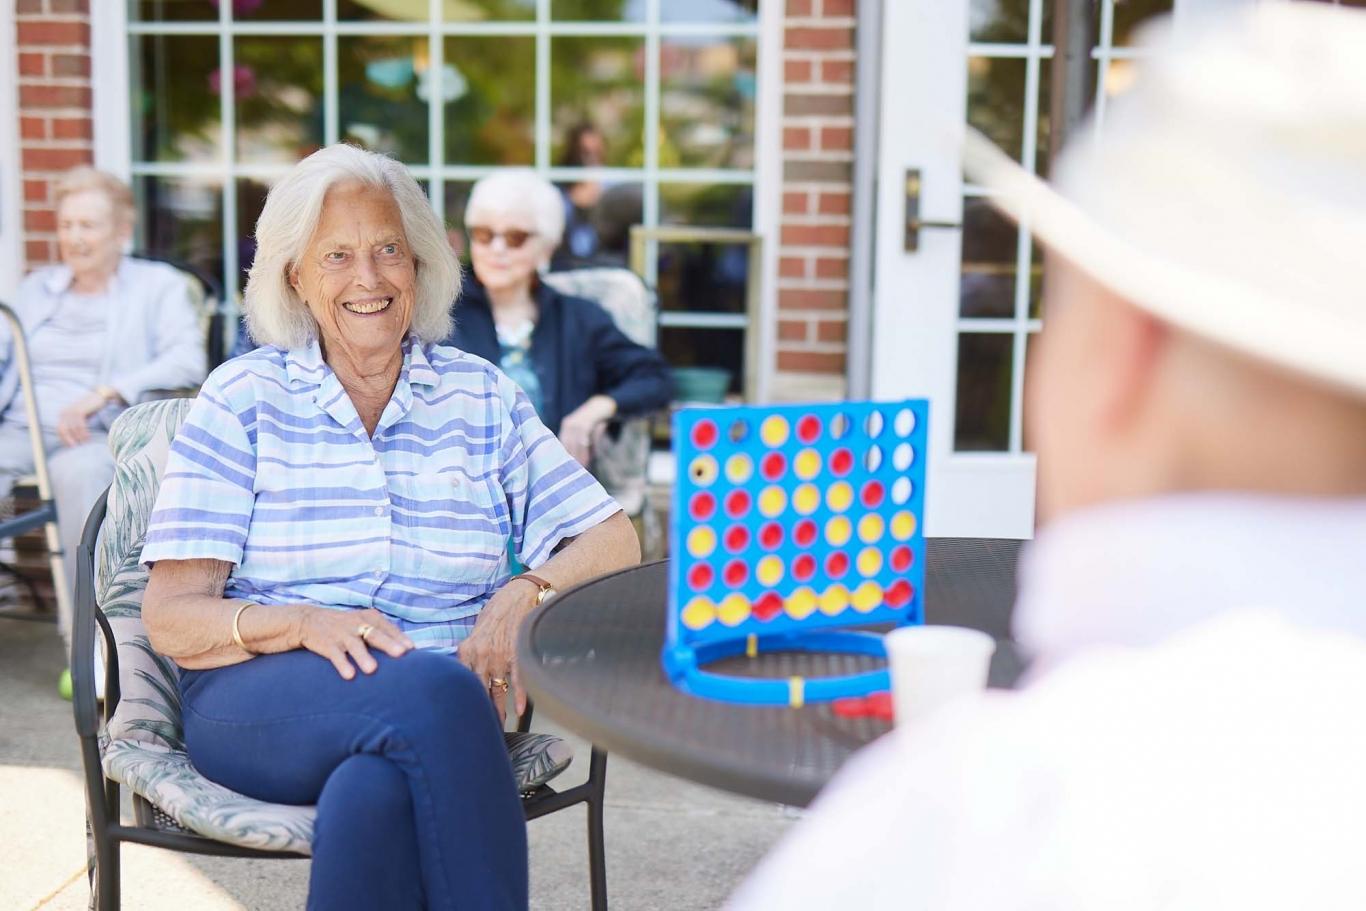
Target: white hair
{"points": [[275, 313], [519, 191]]}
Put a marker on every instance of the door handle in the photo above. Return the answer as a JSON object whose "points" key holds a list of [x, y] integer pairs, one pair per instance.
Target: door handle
{"points": [[914, 223]]}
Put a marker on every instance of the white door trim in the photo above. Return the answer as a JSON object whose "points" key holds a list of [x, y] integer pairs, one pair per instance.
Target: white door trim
{"points": [[11, 176], [111, 89], [768, 186]]}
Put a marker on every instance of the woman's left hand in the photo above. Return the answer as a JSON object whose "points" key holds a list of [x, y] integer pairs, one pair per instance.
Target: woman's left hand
{"points": [[491, 648], [72, 423], [582, 427]]}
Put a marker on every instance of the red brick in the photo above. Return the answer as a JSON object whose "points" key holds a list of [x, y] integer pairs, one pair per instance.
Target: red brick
{"points": [[799, 7], [819, 39], [40, 220], [830, 8], [815, 235], [811, 299], [791, 330], [794, 203], [54, 96], [71, 64], [837, 71], [38, 252], [796, 138], [831, 330], [54, 159], [832, 268], [72, 128], [837, 139], [48, 32], [791, 267], [812, 361], [83, 6], [33, 128], [834, 204], [796, 70], [35, 191], [32, 64]]}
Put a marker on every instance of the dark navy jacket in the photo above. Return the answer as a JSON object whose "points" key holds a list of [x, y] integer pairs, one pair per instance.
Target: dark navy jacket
{"points": [[576, 349]]}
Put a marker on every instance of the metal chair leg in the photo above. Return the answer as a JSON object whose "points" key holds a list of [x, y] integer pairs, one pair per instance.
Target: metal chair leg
{"points": [[597, 858], [104, 878]]}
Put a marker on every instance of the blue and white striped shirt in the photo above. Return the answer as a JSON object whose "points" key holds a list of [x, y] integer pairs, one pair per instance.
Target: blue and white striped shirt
{"points": [[274, 473]]}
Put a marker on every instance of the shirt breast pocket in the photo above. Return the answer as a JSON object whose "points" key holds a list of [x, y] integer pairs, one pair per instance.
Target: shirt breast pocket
{"points": [[454, 527]]}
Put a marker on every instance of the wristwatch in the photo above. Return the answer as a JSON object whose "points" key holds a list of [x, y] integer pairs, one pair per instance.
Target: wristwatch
{"points": [[107, 392], [547, 591]]}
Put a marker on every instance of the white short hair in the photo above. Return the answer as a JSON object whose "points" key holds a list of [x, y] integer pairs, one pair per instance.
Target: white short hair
{"points": [[519, 191], [275, 313]]}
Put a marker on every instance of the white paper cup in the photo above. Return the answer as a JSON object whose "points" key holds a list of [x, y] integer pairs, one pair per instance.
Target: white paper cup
{"points": [[932, 666]]}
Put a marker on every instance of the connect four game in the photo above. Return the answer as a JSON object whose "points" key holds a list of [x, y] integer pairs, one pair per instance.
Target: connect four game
{"points": [[790, 524]]}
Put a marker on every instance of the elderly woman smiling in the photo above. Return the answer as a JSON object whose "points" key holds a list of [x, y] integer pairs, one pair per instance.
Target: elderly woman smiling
{"points": [[334, 526]]}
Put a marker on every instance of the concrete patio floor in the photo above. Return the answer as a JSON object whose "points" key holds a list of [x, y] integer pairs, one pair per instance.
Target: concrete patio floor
{"points": [[670, 844]]}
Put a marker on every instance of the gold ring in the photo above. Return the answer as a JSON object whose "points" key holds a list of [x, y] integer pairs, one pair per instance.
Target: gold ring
{"points": [[364, 630], [498, 683]]}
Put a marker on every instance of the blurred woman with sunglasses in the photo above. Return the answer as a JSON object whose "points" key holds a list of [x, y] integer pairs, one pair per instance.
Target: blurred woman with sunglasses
{"points": [[566, 353]]}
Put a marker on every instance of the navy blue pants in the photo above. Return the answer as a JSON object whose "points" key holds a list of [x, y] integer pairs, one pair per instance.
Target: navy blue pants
{"points": [[417, 807]]}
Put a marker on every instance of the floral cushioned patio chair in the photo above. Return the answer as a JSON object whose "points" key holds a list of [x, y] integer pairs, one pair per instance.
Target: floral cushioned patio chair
{"points": [[140, 744]]}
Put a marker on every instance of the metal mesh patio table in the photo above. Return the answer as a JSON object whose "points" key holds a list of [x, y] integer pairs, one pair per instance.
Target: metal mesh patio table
{"points": [[591, 660]]}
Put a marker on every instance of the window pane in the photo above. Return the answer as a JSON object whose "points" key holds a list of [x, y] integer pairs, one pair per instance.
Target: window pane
{"points": [[280, 111], [182, 219], [1035, 281], [982, 413], [715, 205], [383, 86], [382, 10], [490, 100], [1129, 14], [987, 280], [996, 100], [490, 10], [176, 99], [706, 278], [1041, 125], [457, 193], [598, 10], [599, 82], [598, 220], [709, 10], [1007, 21], [277, 10], [174, 10], [685, 347], [251, 198], [706, 102]]}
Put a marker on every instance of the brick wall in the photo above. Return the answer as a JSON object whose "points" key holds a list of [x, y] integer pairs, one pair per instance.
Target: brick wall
{"points": [[818, 130], [55, 127]]}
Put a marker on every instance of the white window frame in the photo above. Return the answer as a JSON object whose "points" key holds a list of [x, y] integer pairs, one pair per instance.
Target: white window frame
{"points": [[11, 181]]}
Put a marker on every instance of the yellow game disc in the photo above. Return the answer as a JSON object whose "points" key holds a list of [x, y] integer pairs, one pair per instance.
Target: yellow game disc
{"points": [[733, 610], [703, 470], [869, 561], [840, 496], [806, 499], [739, 467], [769, 571], [867, 596], [834, 600], [838, 531], [772, 500], [807, 464], [773, 431], [870, 528], [699, 613], [701, 541], [903, 525], [801, 604]]}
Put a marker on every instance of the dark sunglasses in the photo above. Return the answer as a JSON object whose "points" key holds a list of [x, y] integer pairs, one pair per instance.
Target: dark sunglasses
{"points": [[513, 238]]}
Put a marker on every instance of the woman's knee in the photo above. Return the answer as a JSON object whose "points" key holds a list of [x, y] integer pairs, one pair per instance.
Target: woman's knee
{"points": [[421, 678], [366, 787]]}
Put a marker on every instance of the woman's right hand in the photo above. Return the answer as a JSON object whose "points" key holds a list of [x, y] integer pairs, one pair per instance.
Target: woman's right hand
{"points": [[336, 635]]}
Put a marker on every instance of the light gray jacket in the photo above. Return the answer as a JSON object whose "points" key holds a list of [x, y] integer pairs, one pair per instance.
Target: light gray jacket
{"points": [[155, 340]]}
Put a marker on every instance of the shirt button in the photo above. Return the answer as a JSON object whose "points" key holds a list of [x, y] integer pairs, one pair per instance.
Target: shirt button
{"points": [[379, 510]]}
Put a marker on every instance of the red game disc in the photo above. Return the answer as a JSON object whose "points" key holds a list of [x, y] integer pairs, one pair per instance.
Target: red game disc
{"points": [[804, 533], [837, 564], [872, 494], [736, 572], [737, 503], [902, 558], [771, 536], [898, 594], [737, 538], [769, 605], [803, 568], [841, 462], [700, 576], [808, 428], [702, 506], [704, 434], [772, 466]]}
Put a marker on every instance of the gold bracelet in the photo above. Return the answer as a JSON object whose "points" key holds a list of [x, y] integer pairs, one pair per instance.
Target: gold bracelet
{"points": [[237, 633]]}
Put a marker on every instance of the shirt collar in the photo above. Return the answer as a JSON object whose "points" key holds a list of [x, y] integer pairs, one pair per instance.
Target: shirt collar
{"points": [[1134, 574], [306, 365], [59, 279]]}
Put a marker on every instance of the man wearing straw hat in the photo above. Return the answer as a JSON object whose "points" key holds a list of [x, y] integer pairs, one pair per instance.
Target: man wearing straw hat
{"points": [[1193, 730]]}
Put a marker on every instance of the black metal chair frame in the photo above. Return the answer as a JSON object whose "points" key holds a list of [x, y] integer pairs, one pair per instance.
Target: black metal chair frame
{"points": [[104, 824]]}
